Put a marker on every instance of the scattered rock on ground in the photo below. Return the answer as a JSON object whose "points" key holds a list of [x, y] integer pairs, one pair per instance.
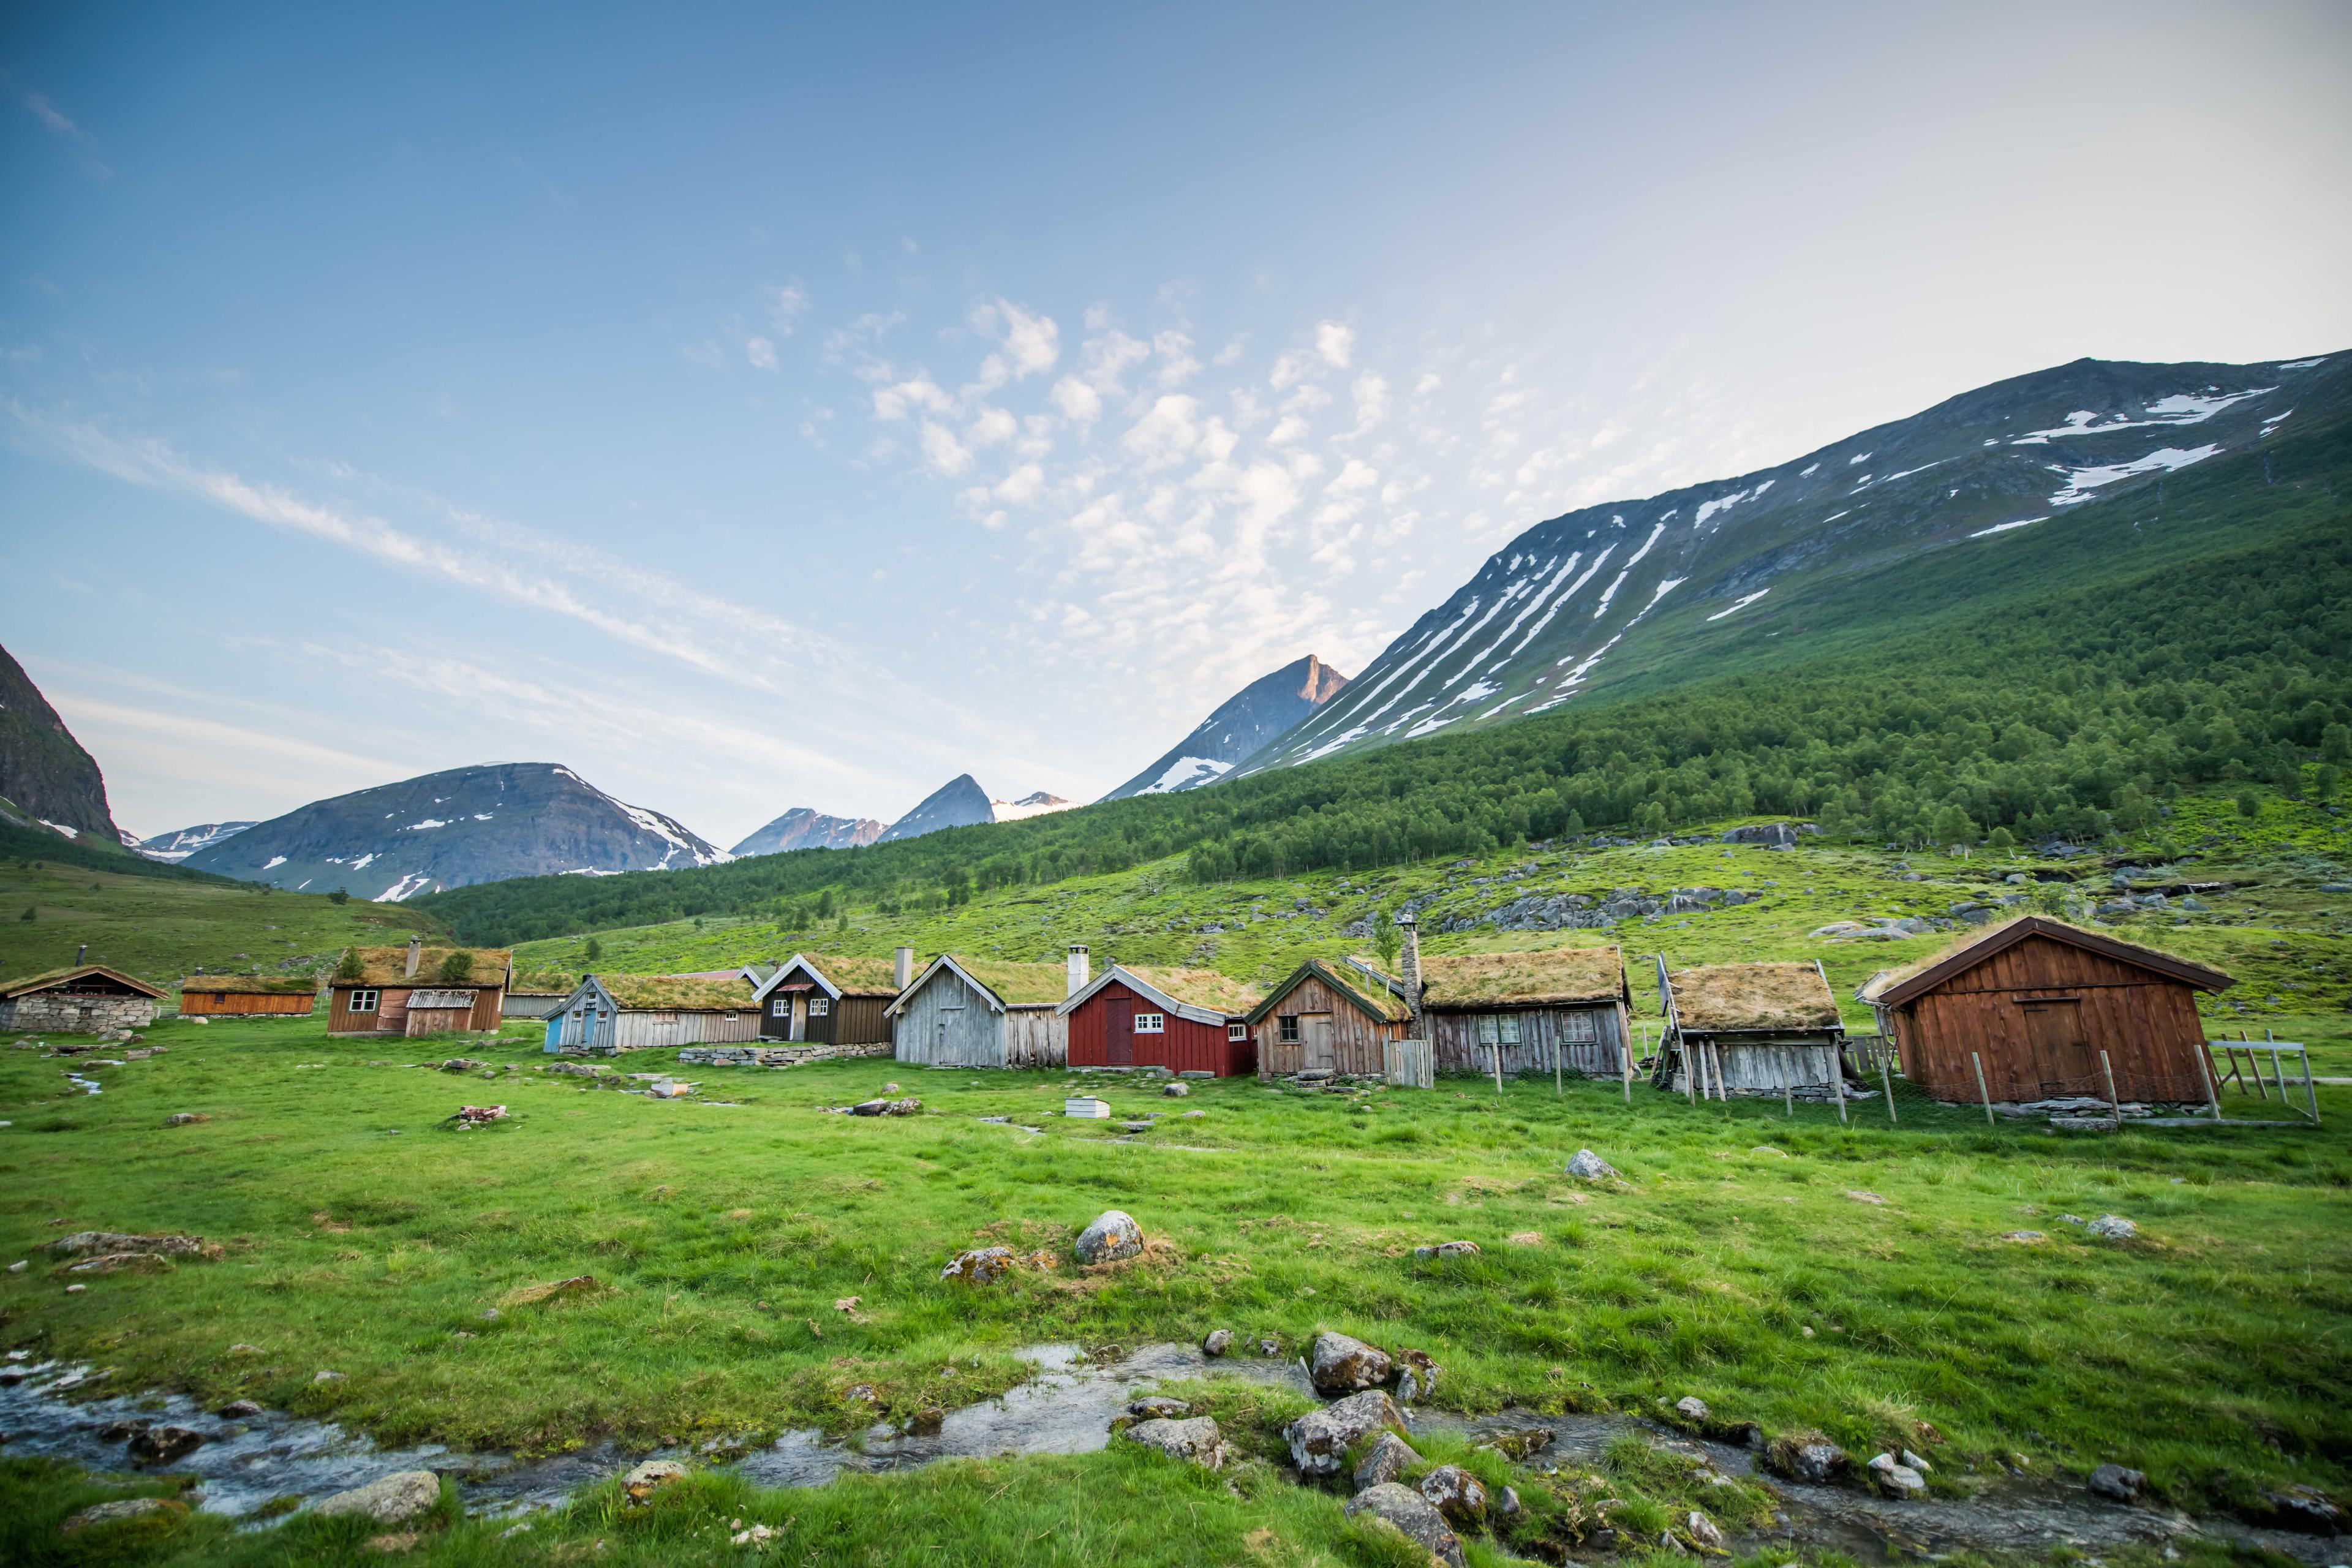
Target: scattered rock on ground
{"points": [[239, 1410], [1269, 1347], [1806, 1456], [1703, 1530], [980, 1265], [1586, 1165], [2113, 1226], [1416, 1375], [1508, 1504], [927, 1421], [1178, 1090], [1445, 1249], [1158, 1407], [393, 1501], [1389, 1456], [886, 1108], [1894, 1477], [1218, 1343], [463, 1064], [161, 1445], [1196, 1440], [1113, 1236], [1341, 1364], [1320, 1440], [1456, 1493], [115, 1512], [1410, 1514], [392, 1544], [184, 1118], [1692, 1408], [2116, 1482], [2302, 1509], [82, 1242], [324, 1375], [651, 1477], [2024, 1237]]}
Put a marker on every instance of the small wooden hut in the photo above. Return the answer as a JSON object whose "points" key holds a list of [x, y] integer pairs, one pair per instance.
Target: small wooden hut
{"points": [[1329, 1016], [1565, 1004], [607, 1013], [831, 1000], [1749, 1029], [978, 1013], [85, 999], [536, 993], [418, 990], [248, 997], [2036, 1000], [1185, 1020]]}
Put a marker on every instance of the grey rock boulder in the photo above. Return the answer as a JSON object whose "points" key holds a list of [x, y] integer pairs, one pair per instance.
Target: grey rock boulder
{"points": [[1456, 1493], [1217, 1343], [650, 1477], [2116, 1482], [1443, 1250], [1703, 1530], [1588, 1166], [1896, 1479], [2113, 1227], [117, 1511], [394, 1499], [1388, 1458], [1113, 1236], [1320, 1440], [1410, 1514], [981, 1266], [1693, 1410], [1416, 1375], [1197, 1439], [1340, 1365]]}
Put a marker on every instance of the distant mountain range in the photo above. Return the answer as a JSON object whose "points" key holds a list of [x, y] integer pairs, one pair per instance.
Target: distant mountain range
{"points": [[961, 802], [802, 827], [451, 830], [47, 780], [181, 844], [1643, 589], [1242, 725]]}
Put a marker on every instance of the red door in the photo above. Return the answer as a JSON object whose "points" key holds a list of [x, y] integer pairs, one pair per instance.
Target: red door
{"points": [[1119, 1034]]}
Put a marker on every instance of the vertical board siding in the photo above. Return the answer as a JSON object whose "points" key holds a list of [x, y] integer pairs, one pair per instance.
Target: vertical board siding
{"points": [[949, 1024], [2038, 1014], [1036, 1038], [862, 1021], [1187, 1045], [1357, 1037], [246, 1004], [1760, 1067], [1454, 1034]]}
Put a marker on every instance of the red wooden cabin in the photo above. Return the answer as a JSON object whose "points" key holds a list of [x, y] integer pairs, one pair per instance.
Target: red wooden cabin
{"points": [[1186, 1020]]}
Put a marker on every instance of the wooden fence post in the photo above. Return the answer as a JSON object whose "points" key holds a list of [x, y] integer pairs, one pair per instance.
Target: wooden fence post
{"points": [[2307, 1088], [1557, 1093], [2115, 1106], [1982, 1091], [1498, 1062], [1837, 1081], [1886, 1082], [2205, 1071]]}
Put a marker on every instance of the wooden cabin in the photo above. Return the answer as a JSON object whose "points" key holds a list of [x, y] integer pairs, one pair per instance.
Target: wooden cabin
{"points": [[538, 994], [1768, 1029], [1329, 1016], [1563, 1004], [418, 990], [2035, 1001], [1185, 1020], [607, 1013], [831, 1000], [978, 1013], [248, 997], [86, 999]]}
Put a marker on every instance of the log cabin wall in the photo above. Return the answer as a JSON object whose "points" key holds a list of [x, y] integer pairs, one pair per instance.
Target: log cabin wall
{"points": [[1036, 1038], [2038, 1014], [1454, 1034], [1356, 1037]]}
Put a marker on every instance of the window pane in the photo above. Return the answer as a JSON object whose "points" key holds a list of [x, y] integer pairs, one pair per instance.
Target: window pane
{"points": [[1509, 1024]]}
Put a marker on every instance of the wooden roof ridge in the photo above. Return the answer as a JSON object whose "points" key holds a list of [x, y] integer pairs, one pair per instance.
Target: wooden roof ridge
{"points": [[1348, 977], [1203, 996], [1901, 987], [10, 989], [1005, 982], [840, 974]]}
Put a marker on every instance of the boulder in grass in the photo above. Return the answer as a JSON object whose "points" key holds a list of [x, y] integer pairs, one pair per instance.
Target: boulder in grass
{"points": [[394, 1499], [1588, 1166], [1217, 1342], [2116, 1482], [1113, 1236], [1446, 1249], [118, 1511], [2306, 1510], [1406, 1511], [1896, 1479], [1456, 1493], [2112, 1228], [1703, 1530], [1320, 1440], [1807, 1456], [1693, 1410], [1158, 1407], [1388, 1458], [1197, 1439], [1343, 1364], [980, 1265], [1416, 1375]]}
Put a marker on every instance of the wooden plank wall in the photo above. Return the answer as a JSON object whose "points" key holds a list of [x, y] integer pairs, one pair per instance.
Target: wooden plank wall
{"points": [[246, 1004], [1036, 1038], [1764, 1067], [1357, 1038], [947, 1023], [2146, 1022], [861, 1021], [1455, 1036]]}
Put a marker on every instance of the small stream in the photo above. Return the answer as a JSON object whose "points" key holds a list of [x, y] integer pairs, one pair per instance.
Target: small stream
{"points": [[248, 1462]]}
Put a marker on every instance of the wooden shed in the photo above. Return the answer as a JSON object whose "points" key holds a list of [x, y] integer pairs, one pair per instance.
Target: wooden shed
{"points": [[2036, 1000], [86, 999], [248, 997], [607, 1013], [831, 999], [978, 1013], [1329, 1016], [1185, 1020], [1562, 1004], [1749, 1029], [418, 990], [536, 993]]}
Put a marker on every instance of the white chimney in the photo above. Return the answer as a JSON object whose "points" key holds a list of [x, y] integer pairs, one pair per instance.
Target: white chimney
{"points": [[1081, 968], [1411, 932], [902, 968], [415, 945]]}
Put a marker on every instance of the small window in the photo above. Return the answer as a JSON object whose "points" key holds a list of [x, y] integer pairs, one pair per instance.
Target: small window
{"points": [[1487, 1036], [1509, 1024], [658, 1017], [819, 1006], [1150, 1024], [363, 1000], [1581, 1028], [1237, 1031], [1289, 1032], [781, 1008]]}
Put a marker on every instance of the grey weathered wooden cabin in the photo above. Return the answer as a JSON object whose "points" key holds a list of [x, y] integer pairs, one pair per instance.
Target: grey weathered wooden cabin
{"points": [[1759, 1029], [832, 1000], [976, 1012], [611, 1013]]}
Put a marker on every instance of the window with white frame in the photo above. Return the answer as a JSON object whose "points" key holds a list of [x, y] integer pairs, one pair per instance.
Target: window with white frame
{"points": [[363, 1000], [1237, 1031], [782, 1007], [1151, 1022], [819, 1006]]}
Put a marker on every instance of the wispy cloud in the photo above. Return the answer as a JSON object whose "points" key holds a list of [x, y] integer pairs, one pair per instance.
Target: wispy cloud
{"points": [[85, 144]]}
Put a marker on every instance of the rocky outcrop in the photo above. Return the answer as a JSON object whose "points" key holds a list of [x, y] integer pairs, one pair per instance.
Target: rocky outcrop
{"points": [[1341, 1364], [1196, 1440], [1320, 1440], [45, 776], [804, 828]]}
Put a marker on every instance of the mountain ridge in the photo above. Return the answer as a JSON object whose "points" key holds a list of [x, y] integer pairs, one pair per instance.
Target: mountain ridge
{"points": [[805, 827], [48, 778], [1239, 727]]}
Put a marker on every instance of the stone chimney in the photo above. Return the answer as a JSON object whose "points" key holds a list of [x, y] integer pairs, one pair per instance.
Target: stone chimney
{"points": [[1082, 968], [415, 946], [1411, 958], [902, 968]]}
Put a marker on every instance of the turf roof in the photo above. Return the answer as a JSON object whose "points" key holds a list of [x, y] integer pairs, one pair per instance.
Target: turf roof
{"points": [[1202, 988], [1018, 985], [676, 994], [1731, 996], [48, 977], [855, 977], [1556, 976], [381, 966]]}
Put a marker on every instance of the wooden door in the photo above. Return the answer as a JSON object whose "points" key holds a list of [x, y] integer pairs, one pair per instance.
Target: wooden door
{"points": [[2060, 1051], [1118, 1036], [1315, 1041], [799, 1030]]}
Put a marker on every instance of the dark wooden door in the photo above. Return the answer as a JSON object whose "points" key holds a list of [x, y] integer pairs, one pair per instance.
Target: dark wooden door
{"points": [[2060, 1052], [1119, 1044]]}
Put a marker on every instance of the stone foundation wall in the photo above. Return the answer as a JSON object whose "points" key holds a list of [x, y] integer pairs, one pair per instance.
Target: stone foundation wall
{"points": [[54, 1013], [771, 1055]]}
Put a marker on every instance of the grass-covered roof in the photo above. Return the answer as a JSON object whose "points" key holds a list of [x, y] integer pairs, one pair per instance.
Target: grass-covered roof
{"points": [[50, 977], [1553, 977], [677, 993], [857, 976], [1202, 988], [1734, 996], [1018, 985], [389, 967], [252, 984]]}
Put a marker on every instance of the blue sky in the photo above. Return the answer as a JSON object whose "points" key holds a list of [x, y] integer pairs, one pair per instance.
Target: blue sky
{"points": [[753, 409]]}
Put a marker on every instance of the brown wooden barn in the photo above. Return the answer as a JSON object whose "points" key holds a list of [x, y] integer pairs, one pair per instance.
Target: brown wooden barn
{"points": [[248, 997], [1749, 1029], [87, 999], [1337, 1016], [418, 990], [2036, 1000], [1186, 1020], [832, 1000]]}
